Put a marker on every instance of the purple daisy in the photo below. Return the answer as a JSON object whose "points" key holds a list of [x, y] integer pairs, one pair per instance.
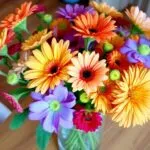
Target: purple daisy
{"points": [[137, 51], [71, 11], [53, 109], [123, 31]]}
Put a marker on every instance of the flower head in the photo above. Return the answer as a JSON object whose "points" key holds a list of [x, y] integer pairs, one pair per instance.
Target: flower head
{"points": [[37, 39], [87, 121], [101, 98], [116, 60], [53, 109], [60, 27], [137, 51], [49, 66], [106, 9], [139, 19], [72, 11], [12, 101], [6, 36], [94, 26], [131, 97], [87, 72], [13, 19]]}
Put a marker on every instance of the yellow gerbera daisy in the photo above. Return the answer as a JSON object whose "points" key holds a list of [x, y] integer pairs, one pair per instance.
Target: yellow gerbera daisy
{"points": [[3, 36], [49, 66], [106, 9], [37, 39], [139, 18], [132, 97]]}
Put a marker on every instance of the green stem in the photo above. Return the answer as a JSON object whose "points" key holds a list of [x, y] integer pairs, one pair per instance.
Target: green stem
{"points": [[81, 140], [3, 73], [71, 137], [9, 57], [91, 140]]}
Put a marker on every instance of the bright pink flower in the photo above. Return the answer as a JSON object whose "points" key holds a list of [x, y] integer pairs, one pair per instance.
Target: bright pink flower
{"points": [[87, 121]]}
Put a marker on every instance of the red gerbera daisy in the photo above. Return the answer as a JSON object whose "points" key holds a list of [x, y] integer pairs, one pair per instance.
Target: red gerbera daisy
{"points": [[87, 121]]}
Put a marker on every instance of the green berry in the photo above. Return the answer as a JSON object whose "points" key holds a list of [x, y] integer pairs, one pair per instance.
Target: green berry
{"points": [[84, 98], [144, 49], [47, 18], [12, 79], [108, 47], [114, 75]]}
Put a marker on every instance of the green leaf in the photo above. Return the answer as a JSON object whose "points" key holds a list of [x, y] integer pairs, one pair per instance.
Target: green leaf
{"points": [[3, 61], [21, 26], [20, 93], [136, 30], [18, 120], [87, 42], [42, 138], [15, 56], [4, 51]]}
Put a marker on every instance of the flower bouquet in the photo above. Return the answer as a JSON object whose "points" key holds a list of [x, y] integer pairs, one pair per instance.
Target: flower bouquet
{"points": [[82, 64]]}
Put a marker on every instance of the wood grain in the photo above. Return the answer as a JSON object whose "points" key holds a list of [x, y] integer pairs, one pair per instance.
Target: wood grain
{"points": [[114, 138]]}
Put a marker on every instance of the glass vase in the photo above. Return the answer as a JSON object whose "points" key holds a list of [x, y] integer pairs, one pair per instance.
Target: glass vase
{"points": [[73, 139]]}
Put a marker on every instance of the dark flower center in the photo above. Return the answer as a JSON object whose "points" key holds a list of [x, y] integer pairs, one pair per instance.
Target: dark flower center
{"points": [[92, 30], [53, 69], [117, 62], [86, 74]]}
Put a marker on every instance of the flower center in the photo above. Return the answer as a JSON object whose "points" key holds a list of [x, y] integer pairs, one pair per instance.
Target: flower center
{"points": [[53, 69], [54, 105], [92, 30], [86, 74], [144, 49], [62, 26]]}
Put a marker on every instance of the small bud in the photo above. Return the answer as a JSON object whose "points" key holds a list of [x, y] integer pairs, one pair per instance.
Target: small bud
{"points": [[108, 47], [114, 75], [46, 18], [12, 79], [84, 98]]}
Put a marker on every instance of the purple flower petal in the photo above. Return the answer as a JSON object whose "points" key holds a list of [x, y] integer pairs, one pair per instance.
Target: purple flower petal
{"points": [[66, 113], [70, 100], [131, 44], [130, 57], [125, 50], [37, 116], [66, 124], [36, 96], [61, 92], [50, 98], [56, 119], [38, 106], [144, 41], [147, 62], [69, 9], [48, 122]]}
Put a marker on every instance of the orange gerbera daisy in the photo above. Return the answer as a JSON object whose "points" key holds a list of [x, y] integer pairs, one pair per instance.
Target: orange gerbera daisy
{"points": [[94, 26], [106, 9], [48, 67], [37, 39], [139, 19], [13, 19], [87, 72], [116, 60], [101, 98], [5, 37], [132, 97]]}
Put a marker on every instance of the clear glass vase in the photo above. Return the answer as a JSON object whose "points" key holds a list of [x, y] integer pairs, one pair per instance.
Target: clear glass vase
{"points": [[73, 139]]}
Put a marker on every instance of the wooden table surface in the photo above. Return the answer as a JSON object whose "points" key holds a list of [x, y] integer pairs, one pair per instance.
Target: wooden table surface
{"points": [[114, 138]]}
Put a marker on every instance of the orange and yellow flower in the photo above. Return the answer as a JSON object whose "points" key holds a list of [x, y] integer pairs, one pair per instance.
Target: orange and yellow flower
{"points": [[101, 98], [132, 97], [106, 9], [36, 40], [49, 66], [87, 72], [139, 18], [5, 37], [94, 26], [20, 14]]}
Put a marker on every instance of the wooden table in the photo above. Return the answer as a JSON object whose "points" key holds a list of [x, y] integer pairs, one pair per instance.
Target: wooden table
{"points": [[114, 138]]}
